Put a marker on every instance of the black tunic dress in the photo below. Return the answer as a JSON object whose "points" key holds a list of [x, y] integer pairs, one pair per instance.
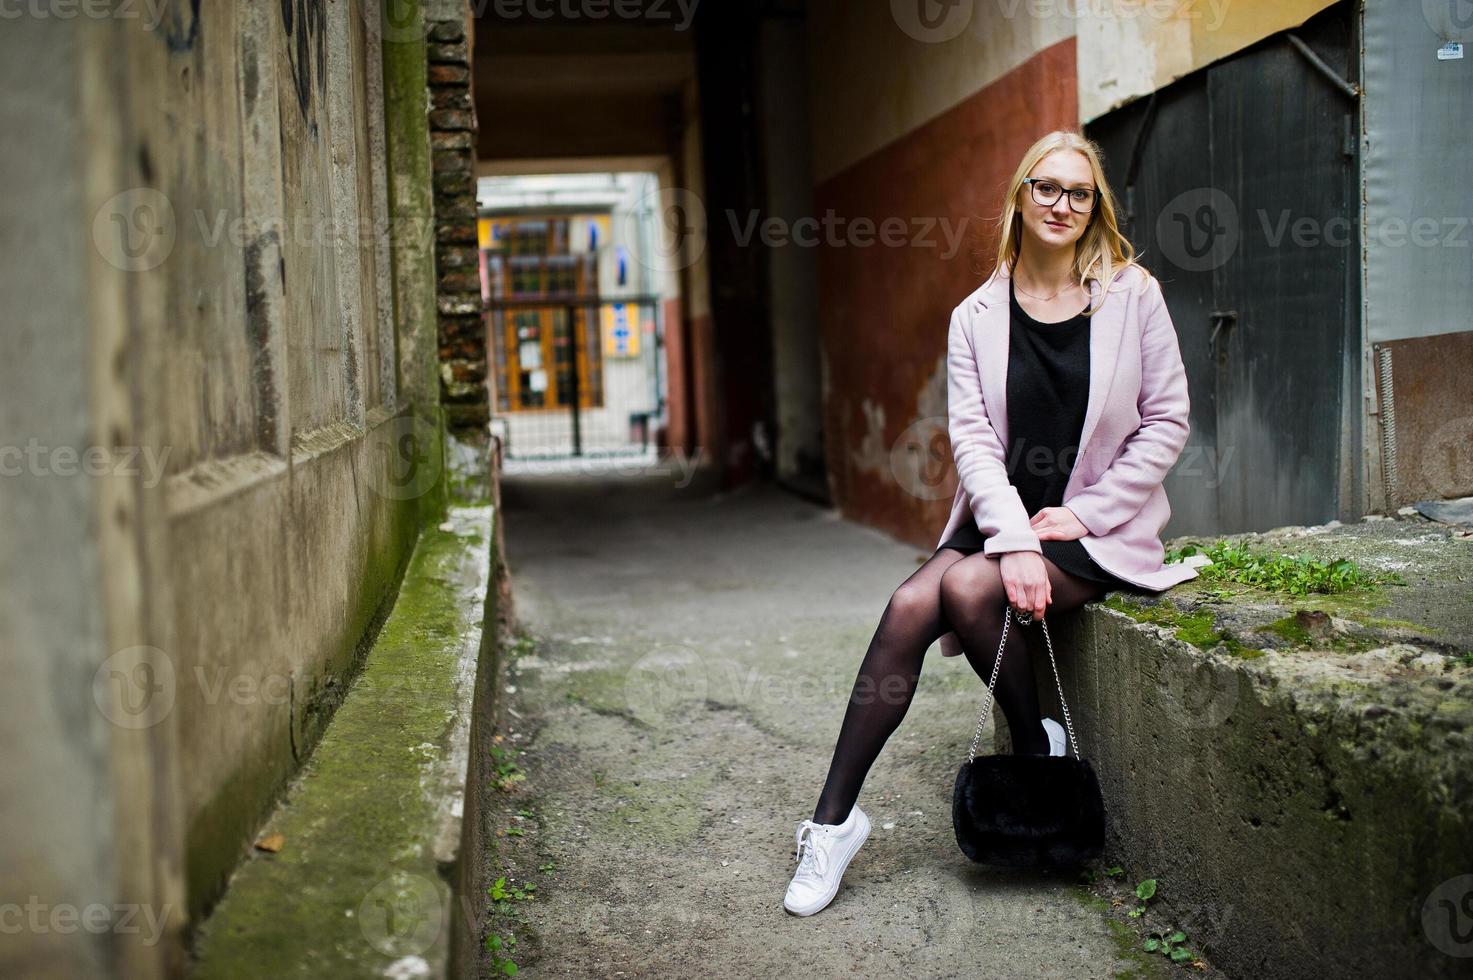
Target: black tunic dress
{"points": [[1048, 392]]}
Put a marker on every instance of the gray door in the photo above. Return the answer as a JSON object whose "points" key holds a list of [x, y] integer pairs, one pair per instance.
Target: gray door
{"points": [[1238, 182]]}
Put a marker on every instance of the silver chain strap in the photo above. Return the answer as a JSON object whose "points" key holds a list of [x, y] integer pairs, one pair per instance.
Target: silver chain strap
{"points": [[1025, 619]]}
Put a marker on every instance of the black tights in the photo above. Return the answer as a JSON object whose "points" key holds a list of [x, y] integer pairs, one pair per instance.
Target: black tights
{"points": [[952, 590]]}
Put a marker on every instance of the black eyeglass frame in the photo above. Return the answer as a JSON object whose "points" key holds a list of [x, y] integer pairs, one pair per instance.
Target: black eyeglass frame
{"points": [[1033, 182]]}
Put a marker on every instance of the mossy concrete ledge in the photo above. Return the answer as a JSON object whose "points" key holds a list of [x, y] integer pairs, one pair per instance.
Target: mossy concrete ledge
{"points": [[369, 879], [1303, 796]]}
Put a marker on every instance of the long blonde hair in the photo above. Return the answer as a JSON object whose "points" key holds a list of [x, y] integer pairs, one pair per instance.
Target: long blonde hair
{"points": [[1102, 252]]}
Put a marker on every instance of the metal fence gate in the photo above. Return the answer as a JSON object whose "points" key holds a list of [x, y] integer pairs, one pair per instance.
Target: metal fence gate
{"points": [[578, 376]]}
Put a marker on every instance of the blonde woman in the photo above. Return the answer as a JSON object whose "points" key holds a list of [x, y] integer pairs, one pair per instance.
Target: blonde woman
{"points": [[1067, 405]]}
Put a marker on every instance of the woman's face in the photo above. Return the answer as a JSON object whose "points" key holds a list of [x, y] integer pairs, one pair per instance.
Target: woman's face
{"points": [[1056, 225]]}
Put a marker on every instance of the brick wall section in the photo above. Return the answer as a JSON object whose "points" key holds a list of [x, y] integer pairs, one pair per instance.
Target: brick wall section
{"points": [[463, 381]]}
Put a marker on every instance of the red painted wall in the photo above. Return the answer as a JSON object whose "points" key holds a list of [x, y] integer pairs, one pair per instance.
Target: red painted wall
{"points": [[678, 434], [884, 311]]}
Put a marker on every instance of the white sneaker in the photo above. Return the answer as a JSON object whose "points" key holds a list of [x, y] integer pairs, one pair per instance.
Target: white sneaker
{"points": [[1055, 736], [824, 851]]}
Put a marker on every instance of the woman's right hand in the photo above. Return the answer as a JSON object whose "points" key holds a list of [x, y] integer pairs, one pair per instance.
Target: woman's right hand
{"points": [[1026, 581]]}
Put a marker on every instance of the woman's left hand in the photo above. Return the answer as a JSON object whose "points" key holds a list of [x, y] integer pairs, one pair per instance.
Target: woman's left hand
{"points": [[1057, 524]]}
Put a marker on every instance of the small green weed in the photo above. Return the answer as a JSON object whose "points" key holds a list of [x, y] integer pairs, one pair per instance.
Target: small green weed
{"points": [[1144, 892], [1093, 875], [507, 772], [500, 891], [500, 947], [1170, 945], [1294, 574]]}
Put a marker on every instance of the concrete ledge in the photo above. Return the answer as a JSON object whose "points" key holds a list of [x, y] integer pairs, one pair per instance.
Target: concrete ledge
{"points": [[371, 830], [1297, 772]]}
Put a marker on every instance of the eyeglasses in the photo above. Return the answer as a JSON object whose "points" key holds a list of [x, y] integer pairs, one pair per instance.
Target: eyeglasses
{"points": [[1046, 192]]}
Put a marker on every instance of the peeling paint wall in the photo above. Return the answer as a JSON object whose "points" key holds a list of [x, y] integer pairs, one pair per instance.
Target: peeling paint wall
{"points": [[1127, 50], [919, 136]]}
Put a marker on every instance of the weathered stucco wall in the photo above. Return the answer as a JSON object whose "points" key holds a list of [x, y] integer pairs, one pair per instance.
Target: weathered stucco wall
{"points": [[1294, 771], [905, 232], [878, 70], [1130, 50], [280, 495], [80, 822], [219, 308]]}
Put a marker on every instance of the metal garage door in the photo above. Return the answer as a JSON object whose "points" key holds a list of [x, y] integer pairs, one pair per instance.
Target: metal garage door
{"points": [[1239, 183]]}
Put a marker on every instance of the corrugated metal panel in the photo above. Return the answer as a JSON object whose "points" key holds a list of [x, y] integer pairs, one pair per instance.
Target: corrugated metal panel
{"points": [[1418, 169]]}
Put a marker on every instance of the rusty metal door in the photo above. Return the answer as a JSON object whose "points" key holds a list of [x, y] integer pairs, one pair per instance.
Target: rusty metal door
{"points": [[1238, 184]]}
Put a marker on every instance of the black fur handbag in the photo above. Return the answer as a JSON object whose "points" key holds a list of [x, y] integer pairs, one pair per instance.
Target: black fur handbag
{"points": [[1028, 811]]}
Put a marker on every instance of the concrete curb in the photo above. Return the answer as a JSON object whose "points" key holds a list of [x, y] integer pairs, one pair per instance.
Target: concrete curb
{"points": [[1305, 813], [376, 827]]}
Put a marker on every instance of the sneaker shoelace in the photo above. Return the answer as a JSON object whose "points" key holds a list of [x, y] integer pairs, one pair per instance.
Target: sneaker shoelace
{"points": [[810, 857]]}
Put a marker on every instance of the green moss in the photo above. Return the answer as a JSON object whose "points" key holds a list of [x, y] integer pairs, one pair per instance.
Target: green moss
{"points": [[1120, 604], [1142, 965], [668, 810], [218, 833], [1382, 622], [1289, 630], [1087, 897], [411, 201], [358, 822], [1198, 628]]}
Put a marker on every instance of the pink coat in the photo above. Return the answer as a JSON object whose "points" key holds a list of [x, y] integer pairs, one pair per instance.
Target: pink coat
{"points": [[1134, 429]]}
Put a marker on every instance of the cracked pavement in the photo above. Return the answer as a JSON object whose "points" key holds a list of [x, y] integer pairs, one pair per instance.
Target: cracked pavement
{"points": [[692, 655]]}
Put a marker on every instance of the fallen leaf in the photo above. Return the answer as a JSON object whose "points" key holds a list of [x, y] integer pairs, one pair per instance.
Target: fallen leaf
{"points": [[271, 842]]}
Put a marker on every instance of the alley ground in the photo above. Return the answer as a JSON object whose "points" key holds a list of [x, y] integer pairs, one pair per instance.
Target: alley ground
{"points": [[671, 721]]}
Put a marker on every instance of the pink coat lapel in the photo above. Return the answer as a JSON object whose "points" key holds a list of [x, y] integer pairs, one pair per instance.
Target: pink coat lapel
{"points": [[991, 335]]}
